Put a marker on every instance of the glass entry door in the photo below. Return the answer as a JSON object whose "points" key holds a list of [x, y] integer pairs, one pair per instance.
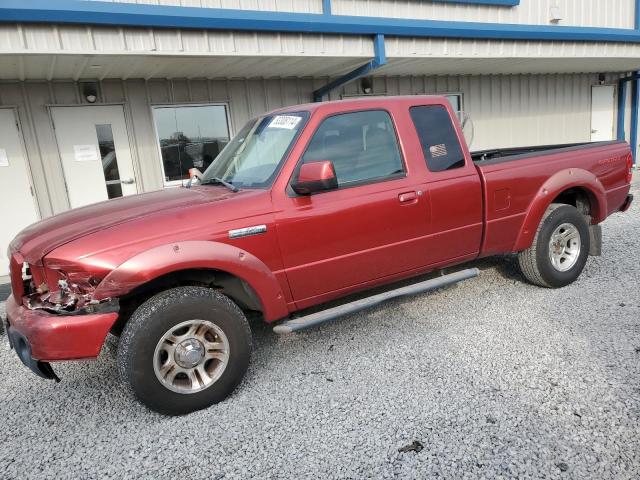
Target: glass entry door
{"points": [[94, 148]]}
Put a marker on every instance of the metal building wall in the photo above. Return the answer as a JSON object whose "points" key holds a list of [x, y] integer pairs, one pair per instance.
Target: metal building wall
{"points": [[586, 13], [511, 110], [600, 13], [299, 6], [507, 111], [63, 52], [246, 98]]}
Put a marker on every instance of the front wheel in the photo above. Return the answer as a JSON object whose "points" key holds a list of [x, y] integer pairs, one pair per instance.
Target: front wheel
{"points": [[184, 349], [559, 250]]}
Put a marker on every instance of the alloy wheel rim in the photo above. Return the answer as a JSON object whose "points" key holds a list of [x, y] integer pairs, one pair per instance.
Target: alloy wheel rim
{"points": [[191, 356], [564, 247]]}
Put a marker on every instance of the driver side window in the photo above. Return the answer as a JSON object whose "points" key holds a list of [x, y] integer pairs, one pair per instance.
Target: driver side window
{"points": [[362, 146]]}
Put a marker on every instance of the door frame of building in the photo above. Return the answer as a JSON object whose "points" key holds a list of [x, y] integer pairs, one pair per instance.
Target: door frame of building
{"points": [[23, 146], [128, 125], [613, 105], [36, 203]]}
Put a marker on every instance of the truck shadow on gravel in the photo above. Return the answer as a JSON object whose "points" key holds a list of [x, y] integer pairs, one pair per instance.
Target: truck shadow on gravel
{"points": [[99, 381]]}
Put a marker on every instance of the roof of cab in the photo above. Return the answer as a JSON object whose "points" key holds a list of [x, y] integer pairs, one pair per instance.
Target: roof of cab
{"points": [[363, 102]]}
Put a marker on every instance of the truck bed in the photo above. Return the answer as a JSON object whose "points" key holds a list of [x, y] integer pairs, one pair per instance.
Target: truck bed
{"points": [[497, 155], [512, 178]]}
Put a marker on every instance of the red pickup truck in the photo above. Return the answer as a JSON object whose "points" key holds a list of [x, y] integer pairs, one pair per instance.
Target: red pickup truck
{"points": [[305, 205]]}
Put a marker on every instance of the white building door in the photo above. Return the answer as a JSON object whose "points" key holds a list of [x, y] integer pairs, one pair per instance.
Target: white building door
{"points": [[94, 148], [17, 204], [602, 112]]}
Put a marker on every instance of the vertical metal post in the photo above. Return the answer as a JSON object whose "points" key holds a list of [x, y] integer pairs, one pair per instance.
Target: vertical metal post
{"points": [[635, 99], [622, 105]]}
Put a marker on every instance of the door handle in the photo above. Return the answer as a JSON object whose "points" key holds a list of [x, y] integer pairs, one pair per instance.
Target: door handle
{"points": [[408, 197], [128, 181]]}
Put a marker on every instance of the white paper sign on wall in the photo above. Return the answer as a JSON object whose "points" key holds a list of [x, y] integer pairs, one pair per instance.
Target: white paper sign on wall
{"points": [[85, 153], [4, 159]]}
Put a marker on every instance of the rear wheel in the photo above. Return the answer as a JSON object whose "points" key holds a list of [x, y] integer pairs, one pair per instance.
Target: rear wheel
{"points": [[184, 349], [559, 250]]}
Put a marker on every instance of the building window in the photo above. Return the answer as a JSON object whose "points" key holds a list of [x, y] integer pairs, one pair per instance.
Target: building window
{"points": [[189, 136], [109, 160], [455, 99]]}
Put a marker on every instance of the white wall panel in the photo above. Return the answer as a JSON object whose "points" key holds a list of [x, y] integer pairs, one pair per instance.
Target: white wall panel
{"points": [[19, 38], [300, 6], [508, 110], [600, 13], [609, 13]]}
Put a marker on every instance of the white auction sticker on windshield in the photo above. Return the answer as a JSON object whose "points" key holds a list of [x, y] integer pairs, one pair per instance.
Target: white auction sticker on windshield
{"points": [[284, 121]]}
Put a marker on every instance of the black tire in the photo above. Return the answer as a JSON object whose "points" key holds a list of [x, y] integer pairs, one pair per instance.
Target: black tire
{"points": [[159, 314], [535, 262]]}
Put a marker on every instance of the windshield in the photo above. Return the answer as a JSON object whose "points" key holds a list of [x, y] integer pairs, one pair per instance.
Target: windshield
{"points": [[253, 157]]}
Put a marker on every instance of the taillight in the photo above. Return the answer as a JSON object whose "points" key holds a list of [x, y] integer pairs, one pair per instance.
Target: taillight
{"points": [[629, 167]]}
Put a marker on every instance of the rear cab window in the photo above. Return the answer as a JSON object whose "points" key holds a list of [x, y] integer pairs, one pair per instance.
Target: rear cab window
{"points": [[440, 144], [362, 146]]}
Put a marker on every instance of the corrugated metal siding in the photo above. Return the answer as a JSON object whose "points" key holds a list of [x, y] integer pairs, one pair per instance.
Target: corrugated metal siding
{"points": [[610, 13], [438, 47], [246, 98], [507, 111], [592, 13], [299, 6], [510, 110], [17, 38], [67, 52]]}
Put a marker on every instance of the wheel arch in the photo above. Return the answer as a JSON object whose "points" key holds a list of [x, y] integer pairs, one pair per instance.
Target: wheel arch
{"points": [[242, 276], [573, 186]]}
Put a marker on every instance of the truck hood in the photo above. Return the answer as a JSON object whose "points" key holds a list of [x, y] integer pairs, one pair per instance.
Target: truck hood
{"points": [[40, 238]]}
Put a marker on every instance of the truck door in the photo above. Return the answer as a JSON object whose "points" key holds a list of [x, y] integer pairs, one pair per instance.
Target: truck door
{"points": [[373, 225], [453, 186]]}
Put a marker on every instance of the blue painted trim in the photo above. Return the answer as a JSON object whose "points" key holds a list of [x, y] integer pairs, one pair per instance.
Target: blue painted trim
{"points": [[326, 7], [379, 51], [140, 15], [499, 3], [635, 100], [622, 100], [379, 59]]}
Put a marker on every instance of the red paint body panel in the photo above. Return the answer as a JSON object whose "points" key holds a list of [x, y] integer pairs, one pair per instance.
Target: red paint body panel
{"points": [[316, 247], [532, 184], [58, 337], [164, 259]]}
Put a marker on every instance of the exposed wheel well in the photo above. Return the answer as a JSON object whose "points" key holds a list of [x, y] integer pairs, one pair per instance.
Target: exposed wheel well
{"points": [[581, 198], [235, 288]]}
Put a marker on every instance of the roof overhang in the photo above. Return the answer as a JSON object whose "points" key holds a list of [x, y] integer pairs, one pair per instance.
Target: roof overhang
{"points": [[100, 67], [82, 12]]}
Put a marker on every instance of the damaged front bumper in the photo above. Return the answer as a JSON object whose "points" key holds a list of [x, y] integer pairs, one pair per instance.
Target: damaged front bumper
{"points": [[40, 337]]}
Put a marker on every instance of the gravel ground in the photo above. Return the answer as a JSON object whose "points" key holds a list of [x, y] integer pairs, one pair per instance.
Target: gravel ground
{"points": [[493, 377]]}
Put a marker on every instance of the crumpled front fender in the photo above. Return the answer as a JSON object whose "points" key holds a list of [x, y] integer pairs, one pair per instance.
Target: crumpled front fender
{"points": [[173, 257]]}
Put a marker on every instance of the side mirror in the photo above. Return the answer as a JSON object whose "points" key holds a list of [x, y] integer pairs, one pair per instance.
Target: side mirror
{"points": [[315, 177]]}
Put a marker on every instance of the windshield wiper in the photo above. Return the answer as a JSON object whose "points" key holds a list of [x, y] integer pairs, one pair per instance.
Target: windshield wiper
{"points": [[218, 180]]}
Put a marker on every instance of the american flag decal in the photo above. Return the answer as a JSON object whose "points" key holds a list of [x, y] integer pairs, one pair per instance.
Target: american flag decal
{"points": [[438, 150]]}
